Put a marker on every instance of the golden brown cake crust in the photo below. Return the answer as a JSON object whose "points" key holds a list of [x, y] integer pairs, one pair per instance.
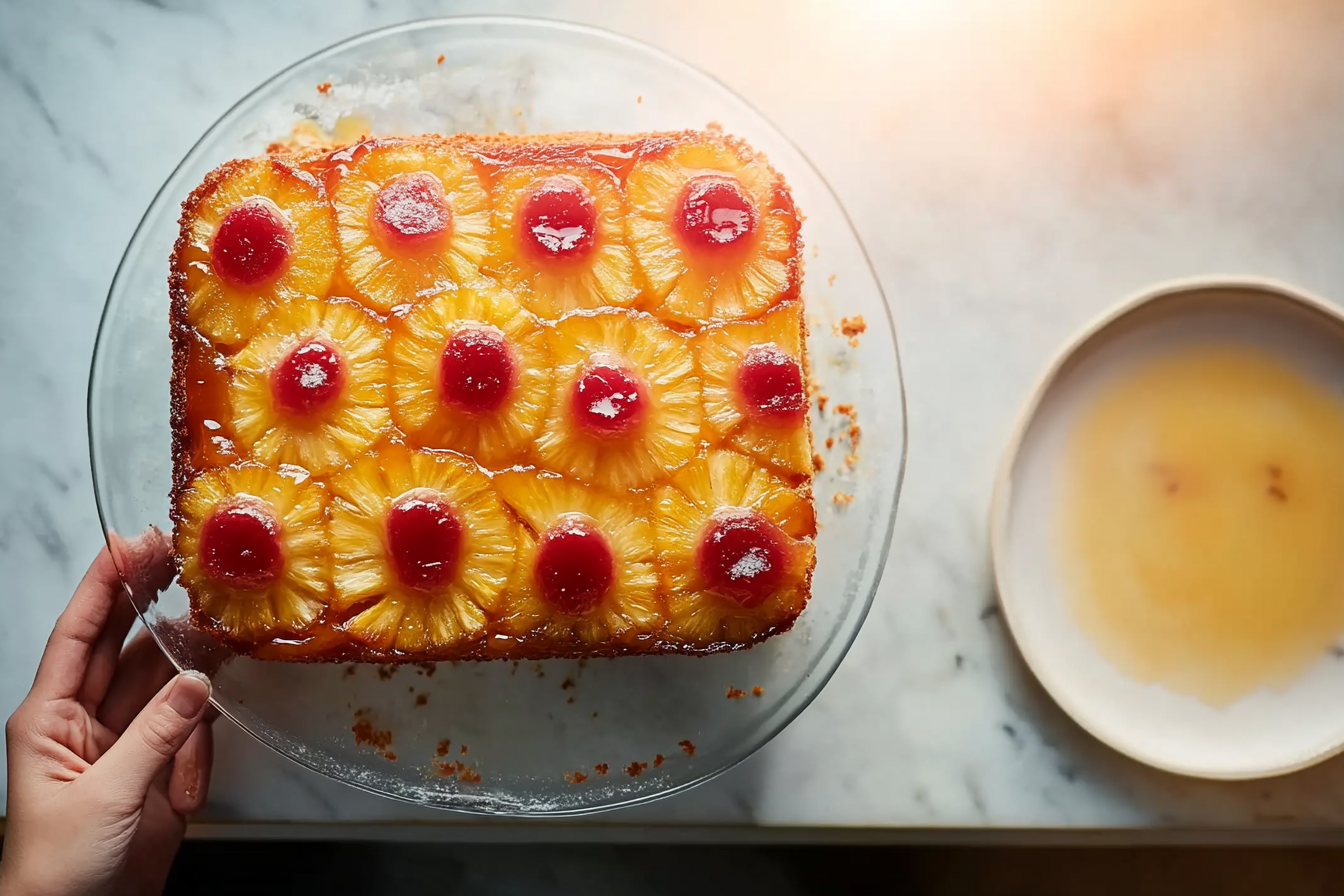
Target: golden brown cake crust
{"points": [[614, 154]]}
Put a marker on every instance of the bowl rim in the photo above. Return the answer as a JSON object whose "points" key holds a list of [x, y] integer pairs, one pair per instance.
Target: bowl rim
{"points": [[541, 24], [1268, 289]]}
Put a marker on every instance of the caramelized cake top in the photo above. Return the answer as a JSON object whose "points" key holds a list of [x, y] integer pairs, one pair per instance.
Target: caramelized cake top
{"points": [[492, 397]]}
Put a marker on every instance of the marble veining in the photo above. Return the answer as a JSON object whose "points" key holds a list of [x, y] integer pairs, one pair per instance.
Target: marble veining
{"points": [[1013, 166]]}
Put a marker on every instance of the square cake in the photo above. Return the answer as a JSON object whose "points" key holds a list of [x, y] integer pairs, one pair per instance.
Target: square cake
{"points": [[445, 398]]}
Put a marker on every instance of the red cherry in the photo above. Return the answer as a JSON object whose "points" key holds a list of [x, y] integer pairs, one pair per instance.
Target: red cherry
{"points": [[424, 539], [411, 210], [607, 399], [477, 370], [559, 217], [252, 243], [575, 566], [308, 379], [714, 211], [742, 555], [771, 383], [240, 544]]}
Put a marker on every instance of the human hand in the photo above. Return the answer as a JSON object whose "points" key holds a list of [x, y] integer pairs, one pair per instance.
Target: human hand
{"points": [[105, 759]]}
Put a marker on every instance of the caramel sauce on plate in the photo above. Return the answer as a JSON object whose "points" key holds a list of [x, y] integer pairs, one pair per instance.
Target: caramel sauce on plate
{"points": [[208, 412], [1202, 522]]}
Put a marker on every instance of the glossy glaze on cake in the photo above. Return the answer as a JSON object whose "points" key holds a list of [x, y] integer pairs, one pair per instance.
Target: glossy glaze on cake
{"points": [[492, 397]]}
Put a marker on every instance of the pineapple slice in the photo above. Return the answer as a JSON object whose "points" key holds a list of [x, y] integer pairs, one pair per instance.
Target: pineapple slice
{"points": [[252, 546], [422, 548], [627, 404], [413, 222], [755, 390], [470, 372], [310, 387], [587, 577], [560, 239], [714, 230], [257, 231], [734, 543]]}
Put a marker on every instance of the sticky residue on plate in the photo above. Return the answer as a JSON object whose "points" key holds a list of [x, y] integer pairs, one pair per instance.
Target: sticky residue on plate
{"points": [[1202, 522]]}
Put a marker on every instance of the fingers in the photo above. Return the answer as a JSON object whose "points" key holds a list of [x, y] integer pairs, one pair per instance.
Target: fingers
{"points": [[189, 784], [146, 569], [142, 671], [126, 771], [60, 674], [145, 562], [106, 655]]}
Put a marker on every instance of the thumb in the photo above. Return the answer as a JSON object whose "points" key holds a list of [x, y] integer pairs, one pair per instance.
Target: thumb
{"points": [[150, 742]]}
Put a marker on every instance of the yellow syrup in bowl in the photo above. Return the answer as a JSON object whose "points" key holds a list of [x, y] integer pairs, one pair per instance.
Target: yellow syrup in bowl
{"points": [[1202, 522]]}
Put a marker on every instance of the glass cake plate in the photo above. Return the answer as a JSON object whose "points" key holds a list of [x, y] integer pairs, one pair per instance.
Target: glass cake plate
{"points": [[528, 727]]}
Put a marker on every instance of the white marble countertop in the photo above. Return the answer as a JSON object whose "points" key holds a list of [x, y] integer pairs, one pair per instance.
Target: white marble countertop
{"points": [[1014, 166]]}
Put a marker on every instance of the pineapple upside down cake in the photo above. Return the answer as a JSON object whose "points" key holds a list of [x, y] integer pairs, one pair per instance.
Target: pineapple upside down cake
{"points": [[492, 397]]}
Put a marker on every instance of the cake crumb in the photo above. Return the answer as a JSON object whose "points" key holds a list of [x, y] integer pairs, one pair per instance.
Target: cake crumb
{"points": [[601, 768], [386, 671], [444, 746], [570, 700], [851, 460], [821, 402], [635, 769], [853, 434], [426, 669], [830, 281], [846, 410], [421, 699], [640, 98], [575, 777], [350, 670], [324, 87], [818, 462], [460, 770], [567, 684], [736, 693], [830, 441], [841, 498], [687, 747], [657, 759], [367, 735], [757, 691], [853, 327], [463, 749], [439, 61]]}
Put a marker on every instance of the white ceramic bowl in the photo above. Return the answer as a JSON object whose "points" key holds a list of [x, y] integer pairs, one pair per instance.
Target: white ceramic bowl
{"points": [[1268, 732]]}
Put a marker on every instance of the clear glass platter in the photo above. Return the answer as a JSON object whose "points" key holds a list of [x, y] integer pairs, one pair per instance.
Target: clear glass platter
{"points": [[527, 727]]}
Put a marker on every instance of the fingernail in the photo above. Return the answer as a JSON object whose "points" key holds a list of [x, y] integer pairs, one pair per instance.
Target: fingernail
{"points": [[189, 694]]}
